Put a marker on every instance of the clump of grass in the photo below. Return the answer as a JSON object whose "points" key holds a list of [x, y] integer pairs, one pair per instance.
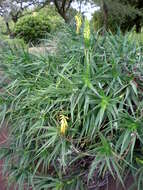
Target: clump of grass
{"points": [[138, 37], [75, 117]]}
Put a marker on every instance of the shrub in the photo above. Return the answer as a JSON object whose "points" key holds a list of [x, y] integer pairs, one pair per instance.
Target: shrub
{"points": [[74, 116], [38, 23], [55, 20], [32, 28]]}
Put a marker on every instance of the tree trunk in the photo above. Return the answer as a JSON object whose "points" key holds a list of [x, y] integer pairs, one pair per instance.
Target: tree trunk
{"points": [[8, 31], [63, 14], [138, 28], [138, 18], [105, 15], [61, 8], [14, 19], [138, 24]]}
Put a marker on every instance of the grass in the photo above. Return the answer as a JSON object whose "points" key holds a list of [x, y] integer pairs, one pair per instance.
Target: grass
{"points": [[137, 37], [75, 117]]}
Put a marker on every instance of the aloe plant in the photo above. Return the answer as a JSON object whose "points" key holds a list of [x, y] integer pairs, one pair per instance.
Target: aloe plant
{"points": [[74, 117]]}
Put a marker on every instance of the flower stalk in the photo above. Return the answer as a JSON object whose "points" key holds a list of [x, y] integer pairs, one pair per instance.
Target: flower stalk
{"points": [[64, 124], [78, 20]]}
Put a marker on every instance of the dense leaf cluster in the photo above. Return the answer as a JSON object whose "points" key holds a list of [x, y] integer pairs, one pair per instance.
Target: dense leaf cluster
{"points": [[32, 28], [97, 90], [36, 25], [123, 14]]}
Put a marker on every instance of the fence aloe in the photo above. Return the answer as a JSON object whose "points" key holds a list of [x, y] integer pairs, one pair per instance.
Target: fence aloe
{"points": [[75, 117]]}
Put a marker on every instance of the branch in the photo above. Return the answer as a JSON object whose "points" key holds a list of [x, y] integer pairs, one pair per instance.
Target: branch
{"points": [[63, 5], [69, 5], [57, 6]]}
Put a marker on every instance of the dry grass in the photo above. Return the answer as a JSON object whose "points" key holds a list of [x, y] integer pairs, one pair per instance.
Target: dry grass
{"points": [[44, 49]]}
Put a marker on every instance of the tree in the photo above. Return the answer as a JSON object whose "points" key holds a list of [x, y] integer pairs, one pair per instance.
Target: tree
{"points": [[62, 6], [4, 12], [139, 15], [14, 9], [105, 13], [127, 13]]}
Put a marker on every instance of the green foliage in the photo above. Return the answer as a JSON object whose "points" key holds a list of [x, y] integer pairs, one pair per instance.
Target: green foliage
{"points": [[35, 25], [15, 43], [3, 29], [98, 88], [120, 14], [55, 20], [32, 28], [138, 37], [113, 22], [2, 25]]}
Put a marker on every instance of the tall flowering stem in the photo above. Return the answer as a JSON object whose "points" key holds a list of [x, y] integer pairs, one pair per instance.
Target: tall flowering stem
{"points": [[64, 124], [87, 51], [78, 19], [87, 33]]}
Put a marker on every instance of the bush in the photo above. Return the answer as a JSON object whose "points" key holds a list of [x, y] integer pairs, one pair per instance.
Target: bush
{"points": [[75, 117], [55, 20], [32, 28], [38, 23]]}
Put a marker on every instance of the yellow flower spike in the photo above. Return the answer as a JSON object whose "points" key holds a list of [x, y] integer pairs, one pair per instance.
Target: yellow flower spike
{"points": [[64, 124], [87, 32], [78, 20], [34, 14]]}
